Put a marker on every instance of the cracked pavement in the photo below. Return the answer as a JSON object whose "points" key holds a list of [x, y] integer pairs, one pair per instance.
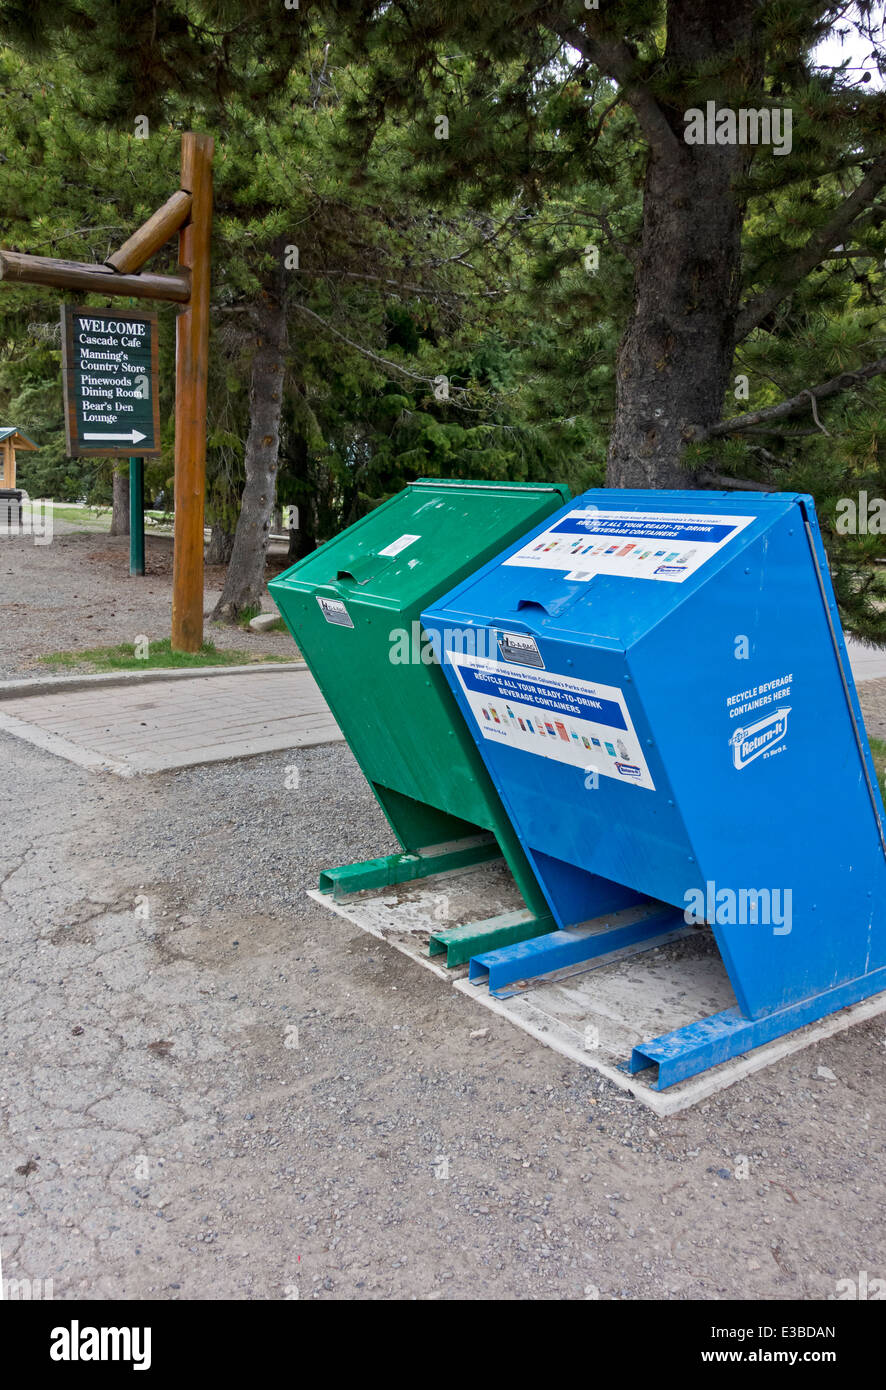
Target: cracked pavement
{"points": [[210, 1087]]}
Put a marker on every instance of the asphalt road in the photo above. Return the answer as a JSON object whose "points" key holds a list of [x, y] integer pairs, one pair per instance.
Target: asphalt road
{"points": [[212, 1088]]}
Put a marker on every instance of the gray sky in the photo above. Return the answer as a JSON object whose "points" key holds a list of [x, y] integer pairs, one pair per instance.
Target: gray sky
{"points": [[854, 47]]}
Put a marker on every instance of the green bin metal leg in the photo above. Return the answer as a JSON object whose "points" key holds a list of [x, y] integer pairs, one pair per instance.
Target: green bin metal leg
{"points": [[404, 868], [460, 943], [421, 829]]}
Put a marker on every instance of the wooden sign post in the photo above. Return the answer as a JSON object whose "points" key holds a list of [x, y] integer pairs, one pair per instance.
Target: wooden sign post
{"points": [[191, 371], [188, 212]]}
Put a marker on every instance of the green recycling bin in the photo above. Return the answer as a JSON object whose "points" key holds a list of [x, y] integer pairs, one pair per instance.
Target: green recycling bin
{"points": [[353, 608]]}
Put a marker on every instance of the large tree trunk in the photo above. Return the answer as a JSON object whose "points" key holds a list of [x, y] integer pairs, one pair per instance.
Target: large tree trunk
{"points": [[301, 543], [221, 545], [245, 579], [675, 357], [120, 509]]}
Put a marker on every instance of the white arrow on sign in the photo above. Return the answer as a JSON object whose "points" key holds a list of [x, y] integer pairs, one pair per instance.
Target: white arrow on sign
{"points": [[131, 438]]}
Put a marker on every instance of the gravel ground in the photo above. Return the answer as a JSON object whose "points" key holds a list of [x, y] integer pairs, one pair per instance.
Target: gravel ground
{"points": [[77, 593], [872, 695], [162, 1136]]}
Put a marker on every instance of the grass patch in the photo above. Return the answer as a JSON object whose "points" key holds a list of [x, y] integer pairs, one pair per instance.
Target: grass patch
{"points": [[87, 517], [878, 748], [160, 656], [246, 615], [99, 518]]}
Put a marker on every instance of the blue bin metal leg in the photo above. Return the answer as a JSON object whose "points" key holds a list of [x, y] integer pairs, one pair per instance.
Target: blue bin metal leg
{"points": [[527, 960], [710, 1041]]}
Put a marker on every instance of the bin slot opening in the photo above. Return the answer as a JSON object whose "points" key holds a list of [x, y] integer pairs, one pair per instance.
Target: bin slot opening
{"points": [[550, 608], [359, 569]]}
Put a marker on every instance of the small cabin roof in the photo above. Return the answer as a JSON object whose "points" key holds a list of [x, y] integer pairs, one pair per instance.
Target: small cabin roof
{"points": [[19, 440]]}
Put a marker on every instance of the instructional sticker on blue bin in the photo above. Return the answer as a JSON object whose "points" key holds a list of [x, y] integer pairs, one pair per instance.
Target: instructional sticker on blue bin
{"points": [[666, 546], [572, 721], [762, 720]]}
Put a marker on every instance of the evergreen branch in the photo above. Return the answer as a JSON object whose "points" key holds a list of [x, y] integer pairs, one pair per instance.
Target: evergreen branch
{"points": [[782, 434], [384, 362], [793, 406], [429, 292], [617, 60], [738, 484], [799, 265]]}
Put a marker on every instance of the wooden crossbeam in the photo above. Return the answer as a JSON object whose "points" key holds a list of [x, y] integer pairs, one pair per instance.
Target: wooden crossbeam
{"points": [[153, 234], [98, 279]]}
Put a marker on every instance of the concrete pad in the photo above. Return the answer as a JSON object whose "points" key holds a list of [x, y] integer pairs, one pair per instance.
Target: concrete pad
{"points": [[597, 1012], [130, 727], [868, 663]]}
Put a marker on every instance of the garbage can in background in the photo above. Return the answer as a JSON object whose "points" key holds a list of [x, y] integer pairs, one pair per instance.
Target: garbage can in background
{"points": [[353, 608], [11, 510], [687, 728]]}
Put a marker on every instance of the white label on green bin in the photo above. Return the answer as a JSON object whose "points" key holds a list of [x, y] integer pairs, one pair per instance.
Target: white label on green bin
{"points": [[665, 546], [578, 722], [400, 544], [334, 611]]}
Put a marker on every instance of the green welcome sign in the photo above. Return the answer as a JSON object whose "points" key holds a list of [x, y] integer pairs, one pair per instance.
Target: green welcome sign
{"points": [[109, 371]]}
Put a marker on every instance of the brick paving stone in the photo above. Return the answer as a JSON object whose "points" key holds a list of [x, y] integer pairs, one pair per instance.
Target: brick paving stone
{"points": [[179, 723]]}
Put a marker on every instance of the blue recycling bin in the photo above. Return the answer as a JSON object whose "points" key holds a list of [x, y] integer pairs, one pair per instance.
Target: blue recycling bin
{"points": [[659, 686]]}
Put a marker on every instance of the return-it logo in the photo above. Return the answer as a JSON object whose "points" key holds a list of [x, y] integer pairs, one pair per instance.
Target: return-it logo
{"points": [[752, 742]]}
